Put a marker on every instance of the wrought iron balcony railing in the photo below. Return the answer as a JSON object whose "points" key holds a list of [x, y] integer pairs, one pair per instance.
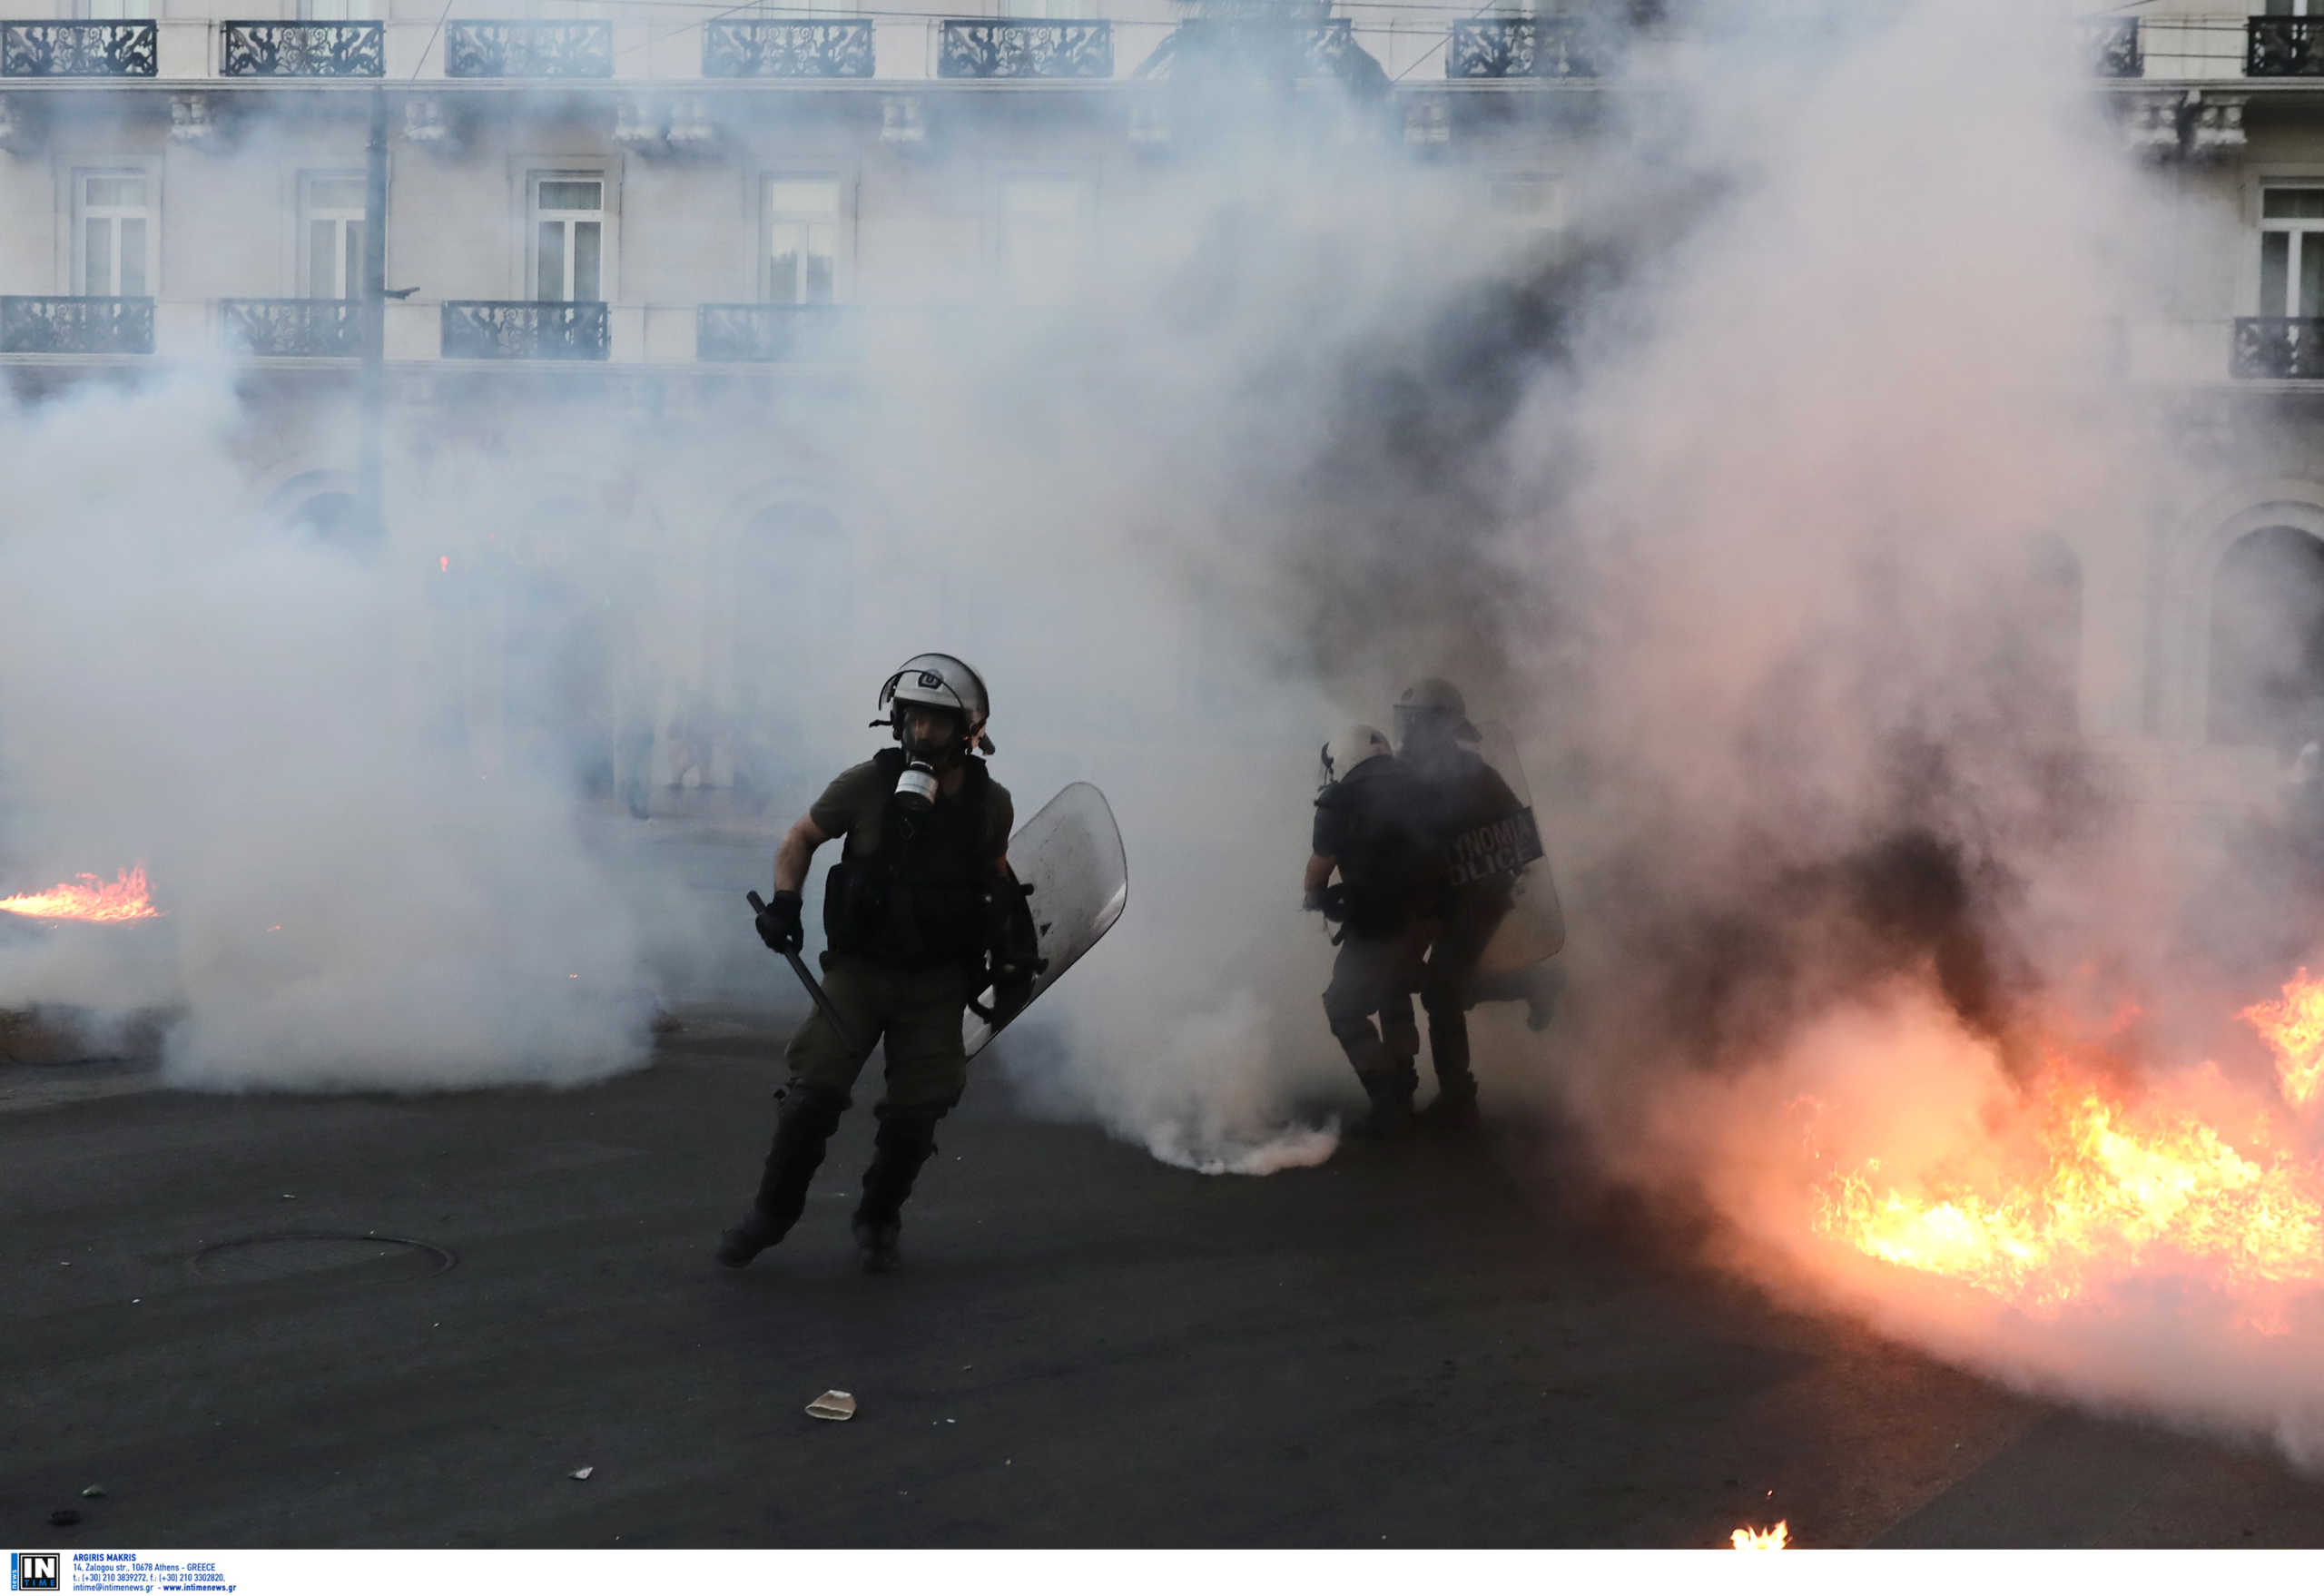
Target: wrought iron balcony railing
{"points": [[2283, 46], [2112, 46], [529, 49], [79, 49], [1018, 47], [302, 49], [316, 329], [76, 324], [774, 333], [525, 330], [1526, 47], [840, 48], [1268, 46], [2280, 347]]}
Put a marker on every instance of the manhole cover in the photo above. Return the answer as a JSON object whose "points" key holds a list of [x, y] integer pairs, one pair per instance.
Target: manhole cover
{"points": [[292, 1253]]}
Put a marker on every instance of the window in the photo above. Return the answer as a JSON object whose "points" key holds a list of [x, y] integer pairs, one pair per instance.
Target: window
{"points": [[1044, 235], [568, 235], [119, 10], [2291, 251], [115, 231], [2292, 8], [341, 10], [803, 229], [330, 235], [1062, 10]]}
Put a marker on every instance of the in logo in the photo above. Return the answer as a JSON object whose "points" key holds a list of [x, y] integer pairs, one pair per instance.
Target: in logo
{"points": [[35, 1570]]}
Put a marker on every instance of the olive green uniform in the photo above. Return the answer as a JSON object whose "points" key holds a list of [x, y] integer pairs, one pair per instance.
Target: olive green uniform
{"points": [[914, 1005]]}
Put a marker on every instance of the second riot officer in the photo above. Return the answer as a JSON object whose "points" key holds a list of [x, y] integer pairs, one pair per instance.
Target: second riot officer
{"points": [[1435, 740], [1371, 830]]}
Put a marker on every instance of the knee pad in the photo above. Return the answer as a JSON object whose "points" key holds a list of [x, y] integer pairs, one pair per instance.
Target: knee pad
{"points": [[810, 1106]]}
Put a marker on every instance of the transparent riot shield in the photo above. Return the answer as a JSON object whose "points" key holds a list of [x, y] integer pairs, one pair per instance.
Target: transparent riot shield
{"points": [[1507, 848], [1070, 855]]}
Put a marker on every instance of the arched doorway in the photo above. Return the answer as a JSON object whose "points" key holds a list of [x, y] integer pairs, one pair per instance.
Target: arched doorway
{"points": [[2267, 641], [334, 518], [323, 506]]}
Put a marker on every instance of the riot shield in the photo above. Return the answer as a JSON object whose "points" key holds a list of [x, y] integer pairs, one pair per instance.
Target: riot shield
{"points": [[1509, 847], [1070, 855]]}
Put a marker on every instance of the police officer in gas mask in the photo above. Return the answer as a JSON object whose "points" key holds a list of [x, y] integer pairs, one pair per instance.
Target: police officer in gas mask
{"points": [[1372, 831], [919, 913], [1435, 741]]}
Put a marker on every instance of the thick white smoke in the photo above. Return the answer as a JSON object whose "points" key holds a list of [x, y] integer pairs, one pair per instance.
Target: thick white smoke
{"points": [[1852, 865]]}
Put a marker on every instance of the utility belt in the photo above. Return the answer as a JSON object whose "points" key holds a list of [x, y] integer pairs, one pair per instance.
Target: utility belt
{"points": [[912, 925]]}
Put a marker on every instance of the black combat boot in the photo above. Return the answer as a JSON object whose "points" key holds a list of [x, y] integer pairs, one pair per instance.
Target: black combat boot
{"points": [[1455, 1104], [1388, 1080], [904, 1142], [804, 1123], [1391, 1116]]}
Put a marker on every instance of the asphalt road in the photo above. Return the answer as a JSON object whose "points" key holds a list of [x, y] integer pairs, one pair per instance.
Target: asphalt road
{"points": [[1452, 1345]]}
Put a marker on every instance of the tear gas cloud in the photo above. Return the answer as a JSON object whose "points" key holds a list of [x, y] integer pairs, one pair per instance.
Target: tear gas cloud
{"points": [[1743, 499]]}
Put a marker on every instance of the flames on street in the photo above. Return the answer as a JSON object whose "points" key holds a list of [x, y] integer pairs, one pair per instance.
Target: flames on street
{"points": [[86, 896], [1747, 1539], [2100, 1181]]}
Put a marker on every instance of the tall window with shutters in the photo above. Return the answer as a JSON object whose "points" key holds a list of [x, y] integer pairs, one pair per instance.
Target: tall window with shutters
{"points": [[113, 232], [803, 217], [2291, 251], [568, 235], [330, 235]]}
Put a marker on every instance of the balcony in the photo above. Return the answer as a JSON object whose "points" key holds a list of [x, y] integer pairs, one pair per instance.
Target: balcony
{"points": [[787, 49], [1523, 46], [2113, 47], [1264, 46], [529, 49], [302, 49], [76, 324], [79, 49], [279, 329], [774, 333], [2283, 348], [525, 330], [2283, 46], [1018, 48]]}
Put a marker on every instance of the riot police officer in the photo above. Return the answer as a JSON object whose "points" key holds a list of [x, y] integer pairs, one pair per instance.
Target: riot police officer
{"points": [[921, 896], [1372, 829], [1462, 793]]}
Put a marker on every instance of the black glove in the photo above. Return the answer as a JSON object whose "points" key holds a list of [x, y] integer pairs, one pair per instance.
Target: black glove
{"points": [[1331, 903], [778, 924]]}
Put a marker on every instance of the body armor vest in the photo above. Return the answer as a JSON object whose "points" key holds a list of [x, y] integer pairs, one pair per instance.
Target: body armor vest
{"points": [[913, 892], [1389, 862]]}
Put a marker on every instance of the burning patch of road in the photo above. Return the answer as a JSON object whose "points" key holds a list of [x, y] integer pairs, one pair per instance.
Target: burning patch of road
{"points": [[2099, 1181], [89, 898], [2088, 1213], [1747, 1539]]}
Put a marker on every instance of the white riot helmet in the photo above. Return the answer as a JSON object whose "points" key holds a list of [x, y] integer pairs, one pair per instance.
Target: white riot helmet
{"points": [[1352, 746], [1432, 706], [938, 681]]}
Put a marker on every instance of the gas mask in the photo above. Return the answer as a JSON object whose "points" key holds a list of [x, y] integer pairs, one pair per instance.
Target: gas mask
{"points": [[923, 756]]}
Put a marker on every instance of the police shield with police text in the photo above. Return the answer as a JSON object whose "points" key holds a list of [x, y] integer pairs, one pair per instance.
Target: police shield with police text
{"points": [[1371, 830], [921, 914]]}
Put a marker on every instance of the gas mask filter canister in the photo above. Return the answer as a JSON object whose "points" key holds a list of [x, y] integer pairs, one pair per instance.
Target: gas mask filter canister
{"points": [[916, 788]]}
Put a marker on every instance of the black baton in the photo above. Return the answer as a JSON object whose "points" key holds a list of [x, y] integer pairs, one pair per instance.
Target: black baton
{"points": [[814, 988]]}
